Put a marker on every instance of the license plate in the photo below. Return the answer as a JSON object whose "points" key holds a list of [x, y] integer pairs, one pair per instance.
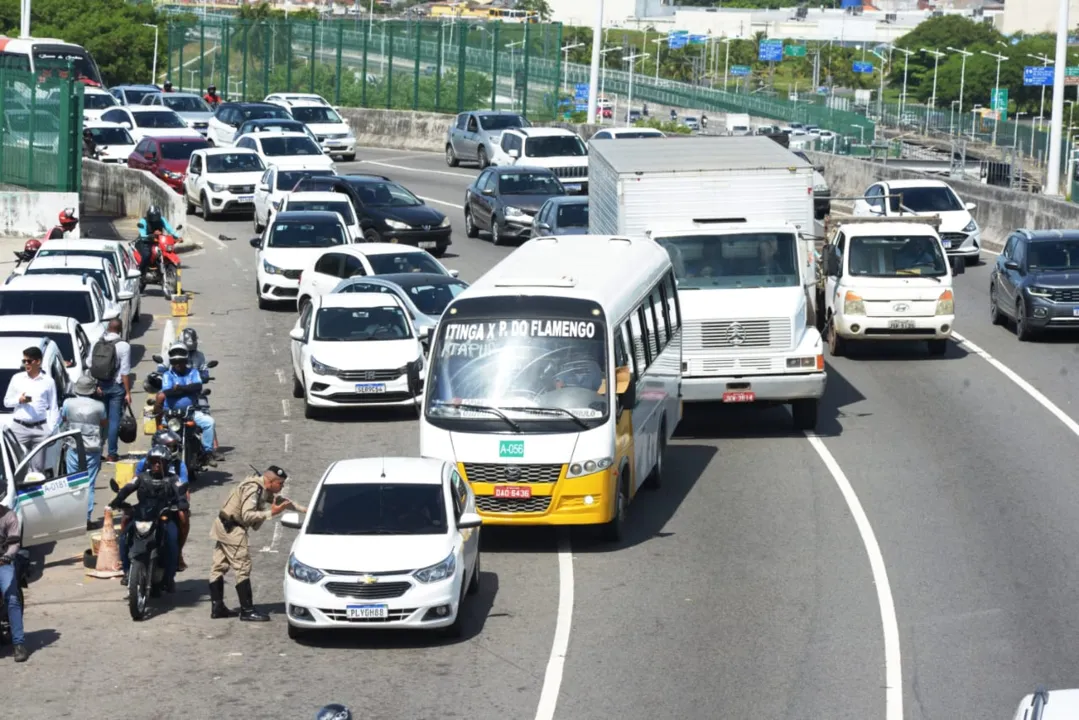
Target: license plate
{"points": [[370, 388], [739, 397], [1075, 312], [947, 244], [428, 245], [573, 187], [368, 612], [900, 324], [513, 492], [246, 198]]}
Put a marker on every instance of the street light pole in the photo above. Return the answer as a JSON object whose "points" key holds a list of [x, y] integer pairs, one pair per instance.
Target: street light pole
{"points": [[880, 94], [1045, 63], [937, 55], [1015, 140], [632, 59], [996, 93], [1052, 185], [657, 41], [565, 64], [962, 81], [153, 72], [903, 97], [603, 77], [726, 62], [593, 74]]}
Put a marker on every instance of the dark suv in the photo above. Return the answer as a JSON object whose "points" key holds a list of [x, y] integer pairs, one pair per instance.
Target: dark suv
{"points": [[1035, 282]]}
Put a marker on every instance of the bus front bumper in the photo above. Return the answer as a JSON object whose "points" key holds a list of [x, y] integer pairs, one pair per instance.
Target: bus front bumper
{"points": [[584, 500], [754, 388]]}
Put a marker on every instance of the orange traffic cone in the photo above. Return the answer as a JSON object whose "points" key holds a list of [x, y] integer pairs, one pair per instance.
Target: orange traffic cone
{"points": [[108, 551]]}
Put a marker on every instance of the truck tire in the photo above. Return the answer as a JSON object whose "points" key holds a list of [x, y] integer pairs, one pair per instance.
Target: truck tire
{"points": [[837, 346], [805, 413]]}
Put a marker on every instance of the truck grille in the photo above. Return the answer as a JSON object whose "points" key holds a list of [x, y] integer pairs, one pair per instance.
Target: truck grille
{"points": [[369, 375], [241, 189], [491, 473], [1066, 295], [737, 334], [570, 172], [491, 504], [375, 591]]}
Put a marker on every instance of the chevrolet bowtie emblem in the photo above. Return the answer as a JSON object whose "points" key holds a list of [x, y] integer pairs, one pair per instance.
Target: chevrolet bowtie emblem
{"points": [[369, 579]]}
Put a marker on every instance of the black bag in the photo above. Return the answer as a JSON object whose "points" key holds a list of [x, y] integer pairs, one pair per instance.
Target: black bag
{"points": [[128, 426]]}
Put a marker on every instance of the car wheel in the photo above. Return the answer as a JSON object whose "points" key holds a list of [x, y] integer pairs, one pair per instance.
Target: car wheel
{"points": [[655, 478], [938, 347], [475, 584], [496, 234], [613, 530], [470, 226], [350, 157], [439, 251], [258, 226], [1023, 331], [263, 304], [973, 260], [995, 316], [207, 213], [297, 387], [371, 236], [836, 345], [451, 156], [482, 159]]}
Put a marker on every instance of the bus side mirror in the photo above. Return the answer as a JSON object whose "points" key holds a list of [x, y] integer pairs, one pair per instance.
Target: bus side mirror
{"points": [[621, 380], [625, 389]]}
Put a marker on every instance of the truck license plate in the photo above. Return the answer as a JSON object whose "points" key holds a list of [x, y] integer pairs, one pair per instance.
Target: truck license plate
{"points": [[368, 612], [370, 388], [739, 397], [900, 324], [513, 492]]}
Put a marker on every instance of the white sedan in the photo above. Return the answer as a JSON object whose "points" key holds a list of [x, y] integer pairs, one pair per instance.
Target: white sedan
{"points": [[114, 142], [289, 245], [386, 543], [144, 121], [327, 269], [288, 148], [356, 349]]}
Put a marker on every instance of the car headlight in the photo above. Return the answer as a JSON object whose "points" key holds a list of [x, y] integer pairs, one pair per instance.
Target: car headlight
{"points": [[515, 212], [946, 303], [588, 467], [321, 369], [853, 304], [1040, 292], [170, 174], [216, 187], [397, 225], [439, 571], [271, 269], [143, 526], [806, 362], [304, 573], [970, 226], [445, 222]]}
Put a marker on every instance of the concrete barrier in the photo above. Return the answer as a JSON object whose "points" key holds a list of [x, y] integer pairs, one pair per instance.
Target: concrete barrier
{"points": [[999, 210], [27, 214], [122, 192]]}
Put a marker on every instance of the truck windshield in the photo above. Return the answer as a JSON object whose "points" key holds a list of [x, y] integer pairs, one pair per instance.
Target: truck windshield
{"points": [[896, 256], [512, 371], [739, 260]]}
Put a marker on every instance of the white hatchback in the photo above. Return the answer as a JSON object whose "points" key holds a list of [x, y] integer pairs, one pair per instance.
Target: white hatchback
{"points": [[144, 121], [276, 183], [327, 269], [386, 543], [334, 134], [287, 148], [325, 201], [289, 245], [356, 350], [114, 142]]}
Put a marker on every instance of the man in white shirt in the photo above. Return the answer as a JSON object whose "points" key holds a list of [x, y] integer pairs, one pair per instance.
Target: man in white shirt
{"points": [[33, 395]]}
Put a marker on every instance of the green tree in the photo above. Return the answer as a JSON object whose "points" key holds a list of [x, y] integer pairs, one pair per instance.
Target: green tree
{"points": [[540, 7]]}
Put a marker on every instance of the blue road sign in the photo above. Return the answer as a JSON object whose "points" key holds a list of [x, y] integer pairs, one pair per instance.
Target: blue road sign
{"points": [[698, 39], [580, 90], [740, 70], [677, 42], [771, 51], [1037, 75], [865, 68], [582, 107]]}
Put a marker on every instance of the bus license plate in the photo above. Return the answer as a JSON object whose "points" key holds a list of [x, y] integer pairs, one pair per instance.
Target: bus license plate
{"points": [[900, 324], [246, 199], [513, 492], [1075, 312], [368, 612], [370, 388], [427, 245], [739, 397]]}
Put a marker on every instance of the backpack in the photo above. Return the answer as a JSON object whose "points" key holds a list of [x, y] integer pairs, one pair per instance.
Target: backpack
{"points": [[104, 362]]}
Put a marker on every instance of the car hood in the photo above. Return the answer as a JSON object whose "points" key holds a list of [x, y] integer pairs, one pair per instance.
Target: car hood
{"points": [[199, 117], [328, 128], [119, 152], [1055, 278], [291, 258], [299, 162], [414, 215], [176, 166], [529, 203], [372, 553], [166, 132], [366, 355], [240, 178], [951, 221]]}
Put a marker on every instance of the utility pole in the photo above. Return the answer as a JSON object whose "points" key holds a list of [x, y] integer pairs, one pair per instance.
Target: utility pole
{"points": [[962, 81], [593, 75], [903, 97], [996, 93], [937, 55], [1052, 186], [24, 19], [632, 59], [1041, 112], [565, 64]]}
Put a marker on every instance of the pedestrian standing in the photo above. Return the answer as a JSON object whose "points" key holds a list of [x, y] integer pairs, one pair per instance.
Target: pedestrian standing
{"points": [[110, 365], [247, 507], [88, 415], [32, 393], [10, 537]]}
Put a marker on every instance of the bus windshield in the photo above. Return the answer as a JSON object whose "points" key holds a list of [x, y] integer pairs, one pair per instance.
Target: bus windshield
{"points": [[54, 59], [514, 371], [737, 260]]}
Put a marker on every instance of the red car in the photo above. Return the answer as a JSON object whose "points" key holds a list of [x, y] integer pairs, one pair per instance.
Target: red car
{"points": [[166, 157]]}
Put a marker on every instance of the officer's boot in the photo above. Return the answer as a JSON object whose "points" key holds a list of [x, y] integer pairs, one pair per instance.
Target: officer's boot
{"points": [[218, 608], [248, 613]]}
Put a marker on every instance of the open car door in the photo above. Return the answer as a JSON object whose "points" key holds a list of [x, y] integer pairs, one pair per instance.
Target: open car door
{"points": [[52, 504]]}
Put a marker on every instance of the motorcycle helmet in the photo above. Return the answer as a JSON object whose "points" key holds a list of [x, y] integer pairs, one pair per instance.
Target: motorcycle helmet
{"points": [[68, 221], [168, 440], [159, 454], [152, 383], [178, 352], [190, 339], [168, 86], [31, 247], [334, 711], [153, 215], [212, 89]]}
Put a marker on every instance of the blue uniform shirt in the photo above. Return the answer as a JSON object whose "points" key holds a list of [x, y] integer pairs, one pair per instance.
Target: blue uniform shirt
{"points": [[181, 471], [172, 379]]}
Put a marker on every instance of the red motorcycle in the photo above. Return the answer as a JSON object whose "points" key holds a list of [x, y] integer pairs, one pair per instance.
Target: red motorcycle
{"points": [[163, 264]]}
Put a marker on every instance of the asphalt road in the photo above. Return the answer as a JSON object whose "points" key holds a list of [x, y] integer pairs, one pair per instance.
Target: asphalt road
{"points": [[744, 587]]}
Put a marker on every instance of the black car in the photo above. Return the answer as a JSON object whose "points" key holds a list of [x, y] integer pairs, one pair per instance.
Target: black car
{"points": [[1035, 282], [387, 211], [504, 201]]}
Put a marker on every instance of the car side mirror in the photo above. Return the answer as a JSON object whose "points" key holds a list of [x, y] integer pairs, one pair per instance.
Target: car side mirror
{"points": [[327, 151], [133, 274], [110, 314], [126, 124], [543, 227], [874, 210], [970, 205], [149, 155], [424, 333], [264, 186], [211, 365], [959, 265], [468, 520], [194, 171], [158, 359], [454, 273], [256, 242], [296, 334], [514, 153], [1011, 265], [124, 296], [415, 384], [831, 263], [291, 520], [488, 191]]}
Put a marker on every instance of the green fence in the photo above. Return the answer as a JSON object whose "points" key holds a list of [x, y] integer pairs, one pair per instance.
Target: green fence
{"points": [[40, 138]]}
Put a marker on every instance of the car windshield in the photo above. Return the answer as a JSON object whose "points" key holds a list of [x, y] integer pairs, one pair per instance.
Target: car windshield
{"points": [[111, 136], [1053, 255], [286, 180], [338, 206], [924, 199], [134, 97], [72, 304], [306, 235], [737, 260], [181, 149], [234, 163], [378, 509], [404, 262], [98, 101], [502, 122], [294, 145], [265, 111], [104, 254], [98, 275], [523, 367], [317, 115], [529, 184], [572, 215], [555, 146], [637, 134], [159, 119], [896, 255], [385, 194], [185, 103], [63, 340], [432, 298], [337, 324], [19, 122]]}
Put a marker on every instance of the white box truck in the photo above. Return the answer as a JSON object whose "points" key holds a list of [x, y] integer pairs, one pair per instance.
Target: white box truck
{"points": [[736, 216]]}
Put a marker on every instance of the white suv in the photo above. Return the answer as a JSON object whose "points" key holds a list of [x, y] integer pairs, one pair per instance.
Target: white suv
{"points": [[333, 133], [559, 150], [222, 180]]}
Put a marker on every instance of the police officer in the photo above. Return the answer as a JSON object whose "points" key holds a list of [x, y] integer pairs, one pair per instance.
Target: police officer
{"points": [[247, 507]]}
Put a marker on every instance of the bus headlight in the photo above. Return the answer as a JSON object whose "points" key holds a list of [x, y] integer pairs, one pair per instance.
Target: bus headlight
{"points": [[588, 467]]}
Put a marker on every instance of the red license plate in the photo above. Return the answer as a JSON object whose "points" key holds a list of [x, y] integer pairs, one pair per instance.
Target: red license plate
{"points": [[513, 492], [739, 397]]}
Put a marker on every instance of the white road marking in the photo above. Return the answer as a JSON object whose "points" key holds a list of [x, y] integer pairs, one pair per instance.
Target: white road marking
{"points": [[552, 680], [205, 234], [288, 442], [273, 348], [284, 407], [280, 375], [272, 547], [893, 670], [441, 202], [1023, 384], [239, 264], [425, 171]]}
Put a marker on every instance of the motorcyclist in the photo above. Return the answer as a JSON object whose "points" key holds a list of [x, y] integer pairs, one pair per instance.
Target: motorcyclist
{"points": [[172, 443], [157, 493], [153, 223], [30, 249], [68, 223], [211, 97], [195, 358], [89, 145], [180, 388], [704, 120], [168, 86]]}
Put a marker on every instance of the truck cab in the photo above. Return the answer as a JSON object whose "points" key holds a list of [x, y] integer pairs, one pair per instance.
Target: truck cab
{"points": [[886, 279]]}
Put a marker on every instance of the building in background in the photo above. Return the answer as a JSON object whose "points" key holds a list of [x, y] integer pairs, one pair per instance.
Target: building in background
{"points": [[1033, 16]]}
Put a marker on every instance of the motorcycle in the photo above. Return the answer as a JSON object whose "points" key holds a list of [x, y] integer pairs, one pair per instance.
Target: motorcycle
{"points": [[23, 256], [152, 383], [145, 538], [164, 262]]}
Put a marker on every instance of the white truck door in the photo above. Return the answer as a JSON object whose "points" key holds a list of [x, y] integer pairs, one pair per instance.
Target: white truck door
{"points": [[838, 247], [52, 504]]}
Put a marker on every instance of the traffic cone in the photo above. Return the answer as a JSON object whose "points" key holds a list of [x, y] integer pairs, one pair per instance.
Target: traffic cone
{"points": [[108, 551]]}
